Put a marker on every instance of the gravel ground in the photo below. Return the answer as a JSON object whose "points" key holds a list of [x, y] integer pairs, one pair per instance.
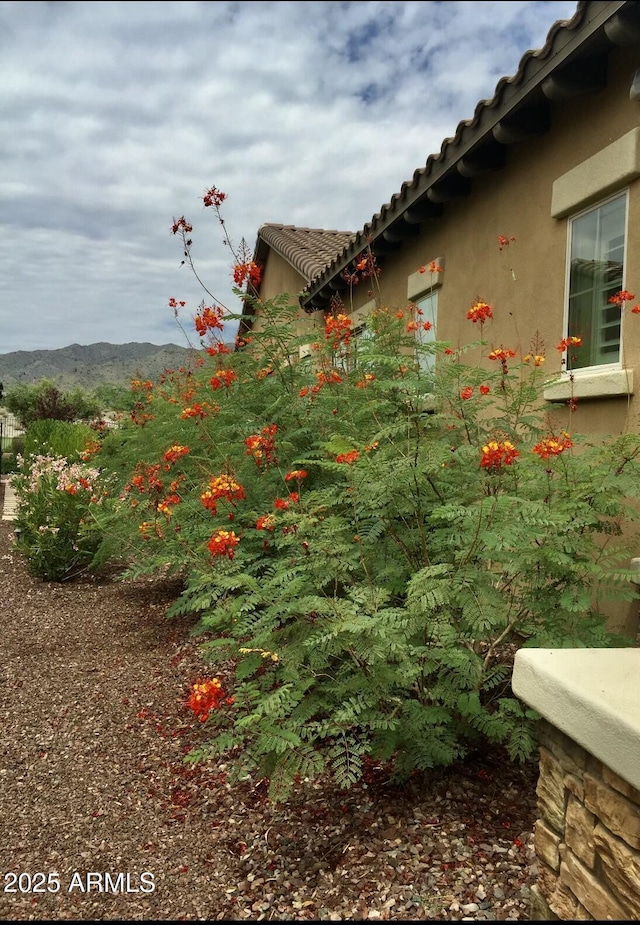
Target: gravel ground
{"points": [[93, 680]]}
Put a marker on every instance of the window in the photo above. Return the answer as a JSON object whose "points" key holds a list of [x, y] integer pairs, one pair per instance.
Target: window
{"points": [[596, 272], [427, 313], [346, 358], [422, 290]]}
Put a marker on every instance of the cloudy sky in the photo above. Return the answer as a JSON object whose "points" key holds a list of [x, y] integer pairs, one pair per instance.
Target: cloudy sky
{"points": [[116, 117]]}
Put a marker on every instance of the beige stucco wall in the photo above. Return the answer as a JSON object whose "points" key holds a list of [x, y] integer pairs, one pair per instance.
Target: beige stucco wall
{"points": [[279, 277], [525, 283]]}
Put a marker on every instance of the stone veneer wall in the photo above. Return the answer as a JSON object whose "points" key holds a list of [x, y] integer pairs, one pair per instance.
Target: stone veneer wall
{"points": [[587, 836]]}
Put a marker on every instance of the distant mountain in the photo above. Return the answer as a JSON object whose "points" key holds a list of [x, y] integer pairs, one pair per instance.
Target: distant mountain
{"points": [[91, 365]]}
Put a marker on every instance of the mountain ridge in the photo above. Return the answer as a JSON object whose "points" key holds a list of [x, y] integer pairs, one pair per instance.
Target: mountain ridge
{"points": [[91, 365]]}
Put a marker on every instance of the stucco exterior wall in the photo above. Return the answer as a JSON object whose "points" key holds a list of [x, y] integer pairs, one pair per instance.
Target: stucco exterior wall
{"points": [[525, 283], [279, 278]]}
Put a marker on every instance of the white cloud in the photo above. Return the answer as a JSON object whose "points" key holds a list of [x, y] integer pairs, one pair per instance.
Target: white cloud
{"points": [[118, 116]]}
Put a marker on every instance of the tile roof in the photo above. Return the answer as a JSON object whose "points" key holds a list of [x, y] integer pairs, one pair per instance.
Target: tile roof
{"points": [[308, 250]]}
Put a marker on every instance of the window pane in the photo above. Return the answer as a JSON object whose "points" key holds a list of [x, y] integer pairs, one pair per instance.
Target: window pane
{"points": [[596, 273], [428, 305]]}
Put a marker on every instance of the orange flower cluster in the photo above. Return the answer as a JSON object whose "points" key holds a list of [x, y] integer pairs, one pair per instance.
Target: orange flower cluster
{"points": [[222, 486], [182, 225], [502, 354], [498, 453], [537, 358], [569, 342], [209, 318], [296, 474], [365, 267], [479, 311], [432, 268], [91, 448], [174, 453], [164, 506], [224, 377], [213, 198], [337, 330], [364, 382], [81, 485], [266, 522], [466, 393], [223, 543], [146, 528], [248, 270], [145, 385], [216, 349], [621, 297], [205, 697], [198, 411], [283, 503], [145, 479], [262, 446], [348, 458], [504, 241], [553, 446]]}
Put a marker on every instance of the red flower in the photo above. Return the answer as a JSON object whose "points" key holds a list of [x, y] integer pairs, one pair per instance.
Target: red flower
{"points": [[502, 355], [621, 297], [223, 543], [213, 197], [432, 268], [337, 330], [224, 377], [479, 311], [498, 453], [181, 225], [283, 503], [266, 522], [262, 446], [248, 270], [209, 318], [552, 446], [466, 393], [348, 458], [484, 389], [198, 411], [504, 241], [569, 342], [205, 696], [296, 474], [175, 452]]}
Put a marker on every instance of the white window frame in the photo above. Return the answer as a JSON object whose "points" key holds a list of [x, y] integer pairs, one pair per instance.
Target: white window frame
{"points": [[590, 370], [428, 305], [422, 288]]}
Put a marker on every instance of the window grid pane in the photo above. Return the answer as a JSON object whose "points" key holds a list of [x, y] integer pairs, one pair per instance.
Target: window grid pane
{"points": [[596, 273], [428, 305]]}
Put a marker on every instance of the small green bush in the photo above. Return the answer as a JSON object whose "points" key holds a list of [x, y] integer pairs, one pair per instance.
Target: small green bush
{"points": [[57, 438]]}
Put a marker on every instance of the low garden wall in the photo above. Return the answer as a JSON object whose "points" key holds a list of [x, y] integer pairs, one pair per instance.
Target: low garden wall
{"points": [[587, 835]]}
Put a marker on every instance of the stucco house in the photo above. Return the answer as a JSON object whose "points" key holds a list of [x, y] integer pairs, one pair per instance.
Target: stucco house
{"points": [[533, 206]]}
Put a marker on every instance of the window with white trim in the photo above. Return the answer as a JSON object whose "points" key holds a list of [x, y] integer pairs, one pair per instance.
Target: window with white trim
{"points": [[597, 239], [426, 317]]}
